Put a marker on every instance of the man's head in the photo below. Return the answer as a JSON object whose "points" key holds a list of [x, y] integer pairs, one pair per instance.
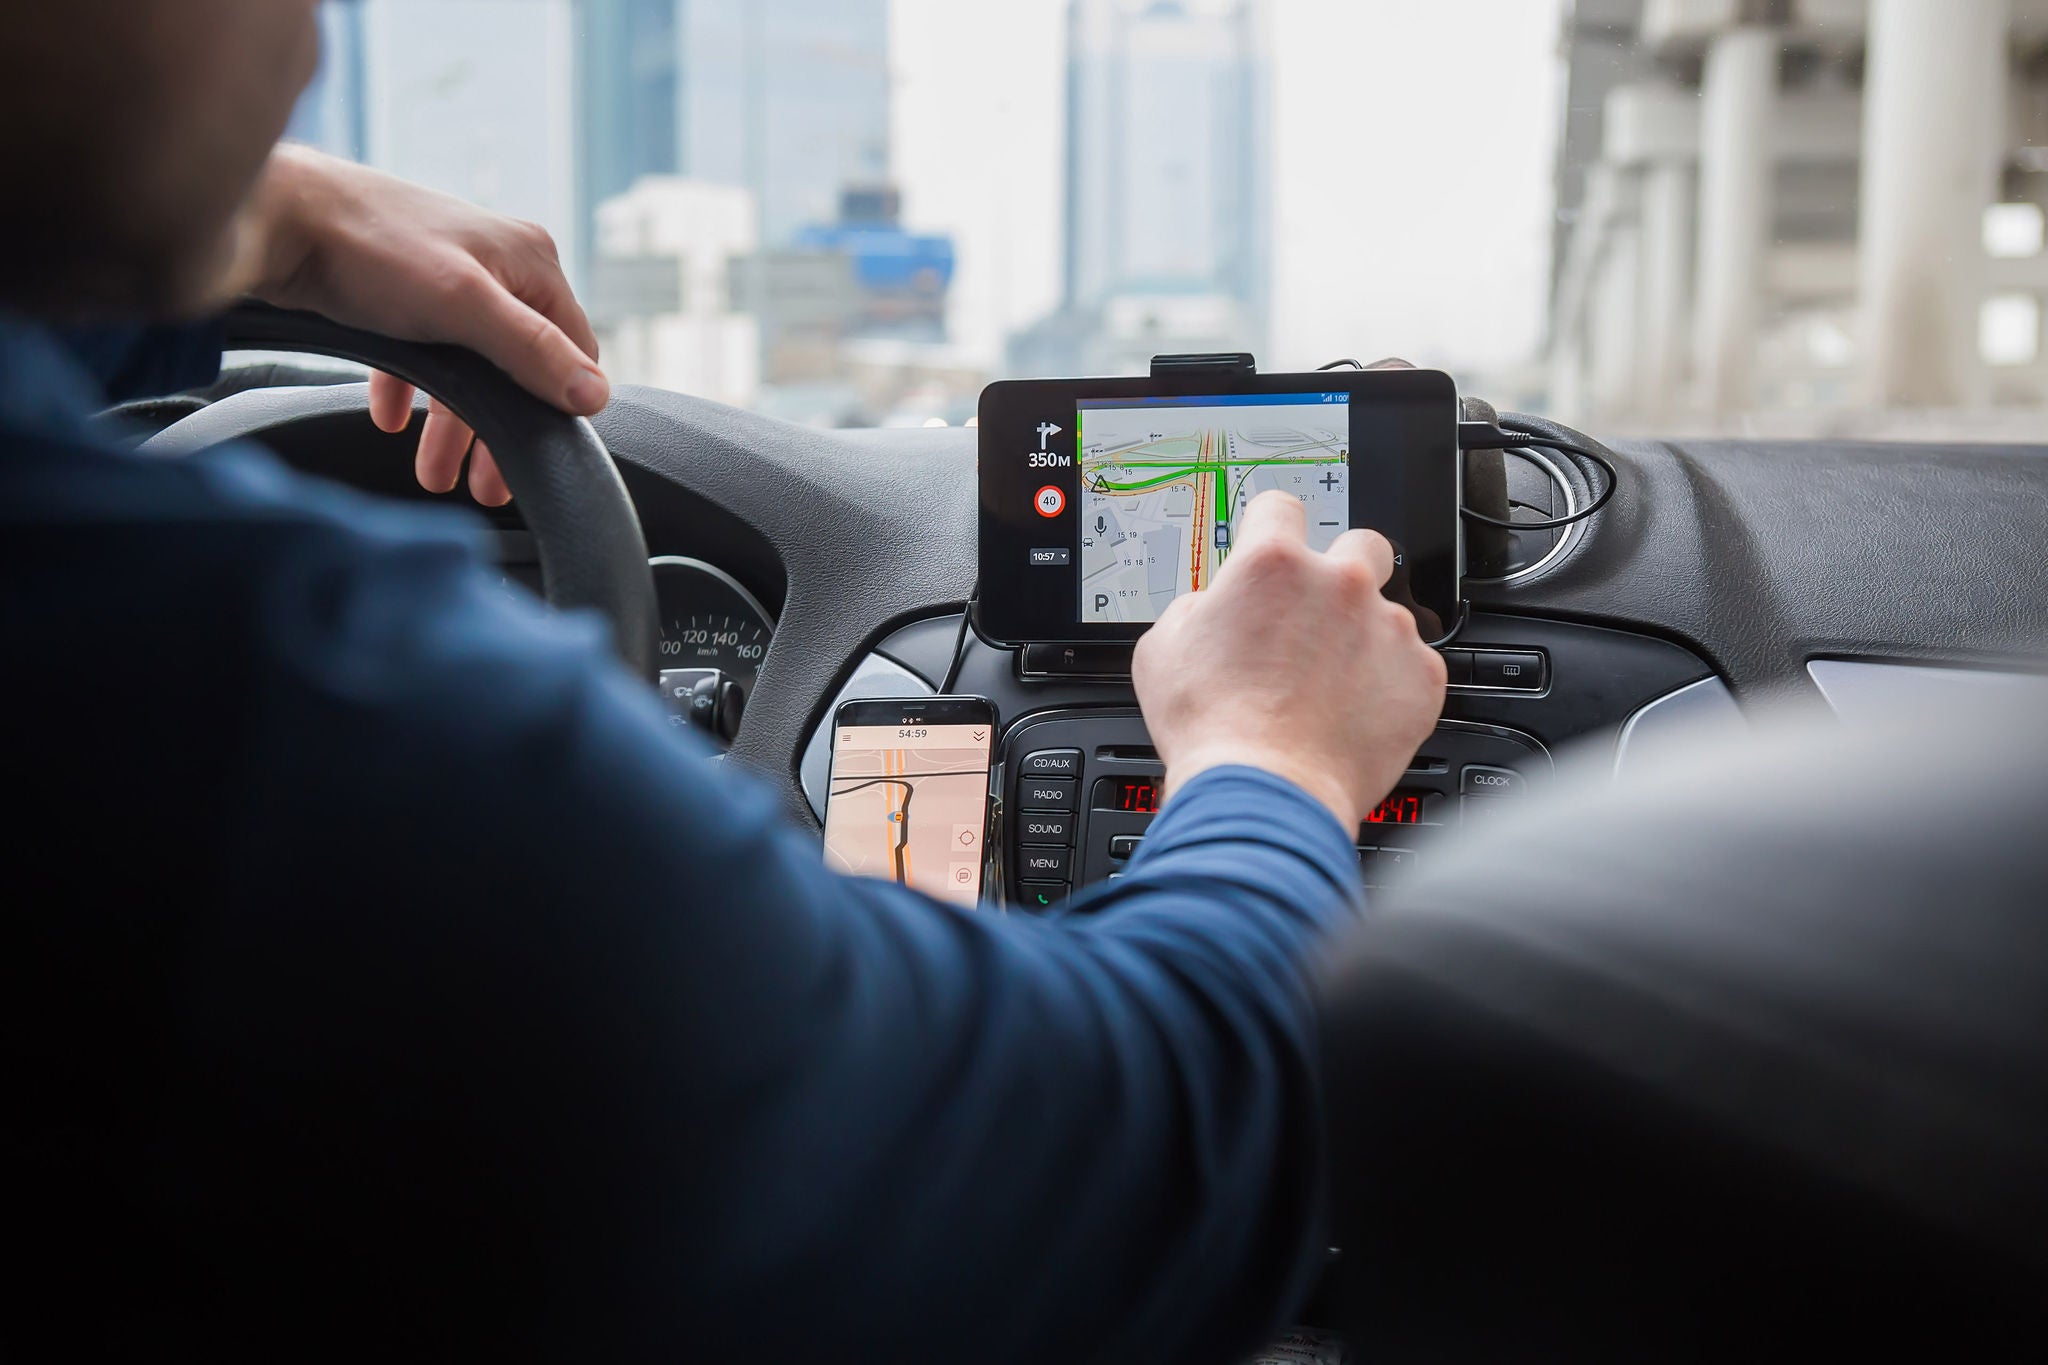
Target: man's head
{"points": [[131, 132]]}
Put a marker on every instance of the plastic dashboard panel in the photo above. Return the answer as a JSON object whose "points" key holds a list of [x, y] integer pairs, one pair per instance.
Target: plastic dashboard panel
{"points": [[1764, 555], [1751, 558]]}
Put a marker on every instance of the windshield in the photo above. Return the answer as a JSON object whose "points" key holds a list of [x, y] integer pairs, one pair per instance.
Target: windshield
{"points": [[1794, 217]]}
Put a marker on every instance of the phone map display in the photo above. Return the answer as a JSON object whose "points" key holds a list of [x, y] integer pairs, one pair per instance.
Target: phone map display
{"points": [[1164, 481], [909, 803]]}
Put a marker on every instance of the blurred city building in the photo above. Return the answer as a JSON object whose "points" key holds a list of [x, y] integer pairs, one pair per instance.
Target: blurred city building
{"points": [[1168, 211], [862, 277], [475, 97], [789, 98], [614, 124], [664, 288], [331, 113], [1802, 217]]}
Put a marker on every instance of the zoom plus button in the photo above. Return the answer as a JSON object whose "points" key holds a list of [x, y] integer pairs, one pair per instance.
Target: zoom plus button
{"points": [[1043, 864]]}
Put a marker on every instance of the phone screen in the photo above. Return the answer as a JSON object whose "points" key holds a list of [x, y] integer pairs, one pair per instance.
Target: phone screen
{"points": [[909, 794]]}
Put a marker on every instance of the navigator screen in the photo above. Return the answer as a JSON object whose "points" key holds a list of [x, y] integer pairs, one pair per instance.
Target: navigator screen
{"points": [[1163, 482]]}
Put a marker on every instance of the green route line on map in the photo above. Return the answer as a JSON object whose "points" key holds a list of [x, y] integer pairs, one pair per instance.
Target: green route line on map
{"points": [[1098, 484], [1099, 462]]}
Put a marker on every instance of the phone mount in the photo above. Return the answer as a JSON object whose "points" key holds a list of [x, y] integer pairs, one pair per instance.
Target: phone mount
{"points": [[1213, 362]]}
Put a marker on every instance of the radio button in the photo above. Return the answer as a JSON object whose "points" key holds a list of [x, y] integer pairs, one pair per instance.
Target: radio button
{"points": [[1037, 862], [1045, 827], [1046, 793], [1041, 895], [1052, 763], [1481, 780]]}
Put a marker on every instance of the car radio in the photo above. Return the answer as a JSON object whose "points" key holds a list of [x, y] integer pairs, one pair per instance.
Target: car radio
{"points": [[1082, 786]]}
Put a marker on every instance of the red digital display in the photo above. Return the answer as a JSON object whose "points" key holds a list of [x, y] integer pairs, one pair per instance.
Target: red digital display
{"points": [[1402, 808], [1135, 795]]}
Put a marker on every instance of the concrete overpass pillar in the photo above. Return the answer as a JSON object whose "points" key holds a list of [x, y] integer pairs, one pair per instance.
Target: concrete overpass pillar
{"points": [[1933, 142], [1616, 349], [1738, 92], [1667, 264]]}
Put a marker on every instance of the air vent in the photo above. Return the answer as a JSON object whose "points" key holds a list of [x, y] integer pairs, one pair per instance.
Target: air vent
{"points": [[1539, 489]]}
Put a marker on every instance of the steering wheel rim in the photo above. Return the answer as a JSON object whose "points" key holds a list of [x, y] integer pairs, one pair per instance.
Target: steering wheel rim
{"points": [[586, 530]]}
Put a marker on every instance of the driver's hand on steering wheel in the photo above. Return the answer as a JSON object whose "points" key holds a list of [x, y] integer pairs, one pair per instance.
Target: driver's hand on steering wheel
{"points": [[376, 252]]}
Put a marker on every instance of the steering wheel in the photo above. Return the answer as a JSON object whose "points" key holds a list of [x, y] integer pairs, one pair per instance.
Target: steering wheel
{"points": [[585, 528]]}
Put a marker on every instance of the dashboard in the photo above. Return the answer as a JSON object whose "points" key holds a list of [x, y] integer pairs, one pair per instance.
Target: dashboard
{"points": [[800, 567]]}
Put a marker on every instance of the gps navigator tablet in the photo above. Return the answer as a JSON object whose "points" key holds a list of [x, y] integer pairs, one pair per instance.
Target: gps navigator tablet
{"points": [[1102, 500]]}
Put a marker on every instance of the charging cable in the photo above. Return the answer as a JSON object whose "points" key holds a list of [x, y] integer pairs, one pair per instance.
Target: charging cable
{"points": [[1510, 435]]}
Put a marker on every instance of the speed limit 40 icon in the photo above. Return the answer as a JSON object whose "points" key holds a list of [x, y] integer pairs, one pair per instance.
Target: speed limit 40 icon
{"points": [[1049, 501]]}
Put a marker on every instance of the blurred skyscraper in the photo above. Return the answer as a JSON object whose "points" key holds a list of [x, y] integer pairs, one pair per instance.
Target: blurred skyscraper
{"points": [[629, 68], [1168, 226], [627, 128], [475, 97], [330, 114], [789, 98]]}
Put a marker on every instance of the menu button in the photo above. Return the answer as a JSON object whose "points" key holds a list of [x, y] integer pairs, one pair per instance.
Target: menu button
{"points": [[1043, 864]]}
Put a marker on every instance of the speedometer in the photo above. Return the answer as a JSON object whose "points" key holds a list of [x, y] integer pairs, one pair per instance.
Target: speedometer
{"points": [[714, 633]]}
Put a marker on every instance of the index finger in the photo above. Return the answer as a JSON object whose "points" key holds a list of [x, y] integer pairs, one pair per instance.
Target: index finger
{"points": [[1273, 515], [1370, 548], [529, 346]]}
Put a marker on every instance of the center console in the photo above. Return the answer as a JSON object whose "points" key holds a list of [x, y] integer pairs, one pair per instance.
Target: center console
{"points": [[1081, 787]]}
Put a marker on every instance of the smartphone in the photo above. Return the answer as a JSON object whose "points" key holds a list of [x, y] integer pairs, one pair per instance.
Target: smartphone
{"points": [[1103, 500], [908, 797]]}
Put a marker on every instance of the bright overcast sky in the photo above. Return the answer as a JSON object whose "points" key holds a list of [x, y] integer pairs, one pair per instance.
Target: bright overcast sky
{"points": [[1392, 116]]}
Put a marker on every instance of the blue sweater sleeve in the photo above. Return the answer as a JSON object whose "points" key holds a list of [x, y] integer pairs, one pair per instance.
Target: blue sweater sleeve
{"points": [[508, 963], [147, 361]]}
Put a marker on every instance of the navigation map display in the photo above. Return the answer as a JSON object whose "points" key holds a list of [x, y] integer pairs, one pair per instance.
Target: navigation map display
{"points": [[1164, 480], [908, 799], [1104, 500]]}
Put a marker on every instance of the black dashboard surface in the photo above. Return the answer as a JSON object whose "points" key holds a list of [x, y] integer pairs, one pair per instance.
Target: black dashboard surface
{"points": [[1746, 559], [1762, 555], [1755, 557]]}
